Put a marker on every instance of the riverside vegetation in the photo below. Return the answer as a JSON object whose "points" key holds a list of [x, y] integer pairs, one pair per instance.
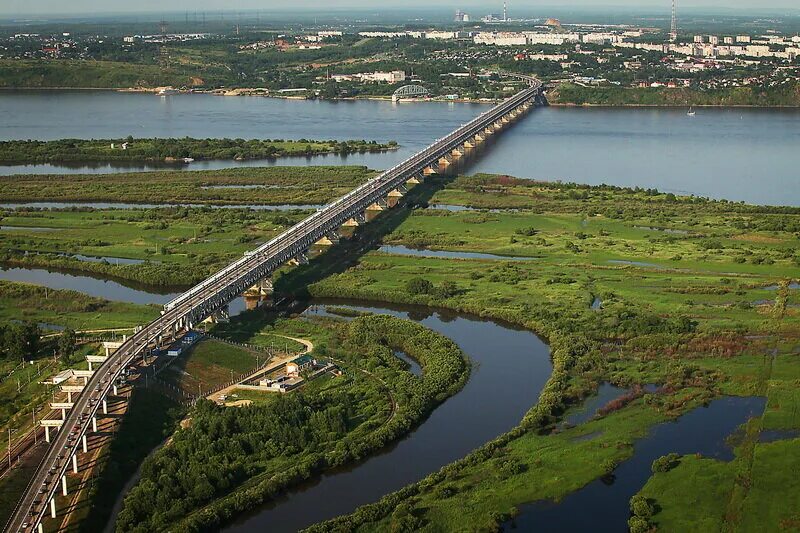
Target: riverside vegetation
{"points": [[572, 94], [263, 448], [256, 185], [154, 149], [695, 295]]}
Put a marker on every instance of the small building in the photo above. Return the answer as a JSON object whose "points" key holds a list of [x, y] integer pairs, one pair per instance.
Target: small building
{"points": [[304, 362], [63, 376], [175, 349], [190, 338]]}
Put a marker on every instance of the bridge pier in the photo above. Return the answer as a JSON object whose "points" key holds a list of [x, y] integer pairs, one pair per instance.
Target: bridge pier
{"points": [[300, 259], [47, 434], [53, 507], [395, 196], [430, 171], [64, 485], [414, 180], [74, 464], [85, 444], [354, 222], [328, 240]]}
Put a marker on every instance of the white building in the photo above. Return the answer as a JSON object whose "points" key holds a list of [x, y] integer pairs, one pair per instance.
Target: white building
{"points": [[501, 38], [602, 38], [552, 38], [441, 35]]}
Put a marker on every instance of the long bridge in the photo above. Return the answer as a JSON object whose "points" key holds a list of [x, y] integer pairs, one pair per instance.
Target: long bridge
{"points": [[215, 293]]}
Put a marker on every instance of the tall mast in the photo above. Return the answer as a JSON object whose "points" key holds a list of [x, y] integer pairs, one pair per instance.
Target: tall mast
{"points": [[673, 30]]}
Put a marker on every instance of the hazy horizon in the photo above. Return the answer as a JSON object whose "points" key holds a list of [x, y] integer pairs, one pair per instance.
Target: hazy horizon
{"points": [[55, 8]]}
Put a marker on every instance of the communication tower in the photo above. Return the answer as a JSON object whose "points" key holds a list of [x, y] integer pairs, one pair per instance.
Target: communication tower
{"points": [[163, 54], [673, 29]]}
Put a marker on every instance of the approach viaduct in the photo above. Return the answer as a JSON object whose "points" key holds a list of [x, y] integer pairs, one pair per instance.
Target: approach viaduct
{"points": [[214, 294]]}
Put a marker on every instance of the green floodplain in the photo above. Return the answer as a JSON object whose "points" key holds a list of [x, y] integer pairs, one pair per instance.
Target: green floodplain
{"points": [[628, 286], [155, 149]]}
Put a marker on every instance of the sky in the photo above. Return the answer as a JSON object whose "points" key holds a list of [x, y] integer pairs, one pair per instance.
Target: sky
{"points": [[84, 7]]}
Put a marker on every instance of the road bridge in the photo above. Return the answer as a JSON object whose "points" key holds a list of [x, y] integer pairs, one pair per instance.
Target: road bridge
{"points": [[213, 295]]}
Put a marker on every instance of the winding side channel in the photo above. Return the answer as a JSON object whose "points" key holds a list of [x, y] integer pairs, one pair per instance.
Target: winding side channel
{"points": [[510, 367]]}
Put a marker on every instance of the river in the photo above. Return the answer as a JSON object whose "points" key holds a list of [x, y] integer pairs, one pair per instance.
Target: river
{"points": [[738, 154]]}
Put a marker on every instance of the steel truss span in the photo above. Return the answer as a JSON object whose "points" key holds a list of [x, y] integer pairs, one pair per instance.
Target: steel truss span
{"points": [[217, 291]]}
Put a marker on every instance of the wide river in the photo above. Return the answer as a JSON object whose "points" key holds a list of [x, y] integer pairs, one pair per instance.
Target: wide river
{"points": [[739, 154]]}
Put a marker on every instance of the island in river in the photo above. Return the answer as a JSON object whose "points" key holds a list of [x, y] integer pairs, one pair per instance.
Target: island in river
{"points": [[171, 150]]}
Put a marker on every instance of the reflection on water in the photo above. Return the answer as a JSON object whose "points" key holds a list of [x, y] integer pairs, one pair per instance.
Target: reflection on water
{"points": [[117, 291], [602, 506]]}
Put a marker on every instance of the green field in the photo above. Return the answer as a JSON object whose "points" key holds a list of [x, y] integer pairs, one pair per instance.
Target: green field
{"points": [[180, 246], [209, 364], [282, 185], [155, 149]]}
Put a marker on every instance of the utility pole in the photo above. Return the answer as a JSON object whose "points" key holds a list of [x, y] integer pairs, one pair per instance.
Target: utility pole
{"points": [[10, 431]]}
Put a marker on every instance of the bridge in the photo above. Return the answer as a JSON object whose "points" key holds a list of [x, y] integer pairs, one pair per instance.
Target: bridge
{"points": [[213, 295], [409, 91]]}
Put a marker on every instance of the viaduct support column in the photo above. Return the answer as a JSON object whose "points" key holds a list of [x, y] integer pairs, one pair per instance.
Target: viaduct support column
{"points": [[47, 434], [94, 427], [53, 507], [115, 390], [85, 444], [64, 484], [74, 464], [105, 406]]}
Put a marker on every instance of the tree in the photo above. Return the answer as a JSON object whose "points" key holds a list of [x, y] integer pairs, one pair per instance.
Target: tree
{"points": [[641, 507], [665, 463], [417, 286], [21, 340], [66, 343]]}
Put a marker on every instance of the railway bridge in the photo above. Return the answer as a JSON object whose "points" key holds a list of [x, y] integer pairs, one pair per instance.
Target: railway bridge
{"points": [[213, 294]]}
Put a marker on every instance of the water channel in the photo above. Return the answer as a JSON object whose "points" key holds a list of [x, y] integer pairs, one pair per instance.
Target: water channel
{"points": [[738, 154], [602, 505], [425, 252]]}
